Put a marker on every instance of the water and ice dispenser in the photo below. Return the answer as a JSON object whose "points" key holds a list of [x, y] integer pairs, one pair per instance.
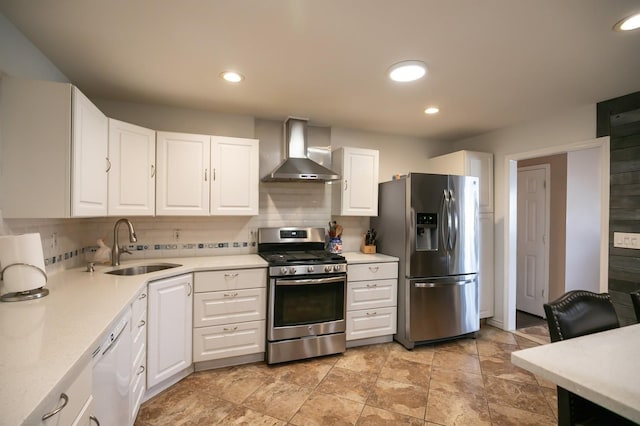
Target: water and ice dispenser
{"points": [[426, 231]]}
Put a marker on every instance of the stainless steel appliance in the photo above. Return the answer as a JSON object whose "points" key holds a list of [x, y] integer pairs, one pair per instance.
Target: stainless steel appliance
{"points": [[306, 294], [431, 223]]}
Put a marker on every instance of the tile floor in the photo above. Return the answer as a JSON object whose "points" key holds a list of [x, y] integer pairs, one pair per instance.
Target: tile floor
{"points": [[461, 382]]}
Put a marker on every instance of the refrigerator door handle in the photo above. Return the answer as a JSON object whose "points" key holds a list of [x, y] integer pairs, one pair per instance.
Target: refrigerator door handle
{"points": [[453, 211], [443, 223], [443, 284]]}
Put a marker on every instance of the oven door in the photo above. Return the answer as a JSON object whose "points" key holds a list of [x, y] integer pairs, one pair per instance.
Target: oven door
{"points": [[300, 307]]}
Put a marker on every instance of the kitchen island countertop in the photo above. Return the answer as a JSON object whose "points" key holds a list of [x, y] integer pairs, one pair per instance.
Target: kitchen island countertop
{"points": [[45, 343]]}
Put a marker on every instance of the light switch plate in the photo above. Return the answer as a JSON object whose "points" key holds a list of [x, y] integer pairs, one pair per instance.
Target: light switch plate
{"points": [[626, 240]]}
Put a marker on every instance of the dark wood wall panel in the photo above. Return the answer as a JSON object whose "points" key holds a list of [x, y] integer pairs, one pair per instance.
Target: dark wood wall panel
{"points": [[620, 119]]}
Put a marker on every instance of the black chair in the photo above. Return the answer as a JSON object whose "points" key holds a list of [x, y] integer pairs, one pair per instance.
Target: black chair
{"points": [[578, 313], [635, 299]]}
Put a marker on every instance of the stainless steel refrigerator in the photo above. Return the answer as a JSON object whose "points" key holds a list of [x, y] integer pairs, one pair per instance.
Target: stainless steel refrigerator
{"points": [[430, 222]]}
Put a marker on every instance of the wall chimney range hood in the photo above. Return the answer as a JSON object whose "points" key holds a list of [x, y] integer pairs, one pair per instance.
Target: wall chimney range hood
{"points": [[297, 166]]}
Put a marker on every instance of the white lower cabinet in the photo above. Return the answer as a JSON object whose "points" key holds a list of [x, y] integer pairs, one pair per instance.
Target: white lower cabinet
{"points": [[372, 290], [72, 405], [169, 328], [229, 314], [138, 383]]}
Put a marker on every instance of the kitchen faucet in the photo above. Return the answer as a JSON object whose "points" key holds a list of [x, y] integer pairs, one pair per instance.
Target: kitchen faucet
{"points": [[117, 251]]}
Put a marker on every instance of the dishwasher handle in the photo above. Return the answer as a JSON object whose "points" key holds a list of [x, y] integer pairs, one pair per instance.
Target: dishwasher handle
{"points": [[114, 341]]}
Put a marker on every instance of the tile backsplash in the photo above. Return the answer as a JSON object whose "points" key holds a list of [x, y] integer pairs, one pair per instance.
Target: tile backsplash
{"points": [[69, 243]]}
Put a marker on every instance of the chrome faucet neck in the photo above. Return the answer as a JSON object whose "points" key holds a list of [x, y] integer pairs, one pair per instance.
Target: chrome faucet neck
{"points": [[116, 251]]}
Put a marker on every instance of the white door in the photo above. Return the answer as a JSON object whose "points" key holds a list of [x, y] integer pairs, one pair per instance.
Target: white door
{"points": [[132, 152], [170, 327], [532, 274], [89, 158], [234, 174], [183, 175]]}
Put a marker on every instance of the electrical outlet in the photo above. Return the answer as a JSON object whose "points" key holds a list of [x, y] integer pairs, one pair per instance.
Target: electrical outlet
{"points": [[54, 238], [176, 234], [626, 240]]}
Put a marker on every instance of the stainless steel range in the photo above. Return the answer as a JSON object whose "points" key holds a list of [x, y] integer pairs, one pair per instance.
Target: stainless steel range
{"points": [[306, 294]]}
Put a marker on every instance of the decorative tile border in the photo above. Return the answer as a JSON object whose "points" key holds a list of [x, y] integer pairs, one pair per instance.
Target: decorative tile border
{"points": [[70, 255]]}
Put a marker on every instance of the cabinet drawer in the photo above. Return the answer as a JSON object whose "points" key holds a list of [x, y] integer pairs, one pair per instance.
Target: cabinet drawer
{"points": [[225, 307], [138, 382], [372, 294], [372, 271], [139, 305], [226, 341], [230, 279], [78, 392], [138, 331], [371, 323]]}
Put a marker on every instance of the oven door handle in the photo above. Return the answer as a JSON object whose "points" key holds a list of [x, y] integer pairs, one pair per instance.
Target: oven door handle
{"points": [[311, 281]]}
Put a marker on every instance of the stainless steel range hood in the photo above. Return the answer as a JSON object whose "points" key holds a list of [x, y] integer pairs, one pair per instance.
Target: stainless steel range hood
{"points": [[296, 165]]}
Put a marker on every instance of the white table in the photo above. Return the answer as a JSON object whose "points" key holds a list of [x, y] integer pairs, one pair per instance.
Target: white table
{"points": [[602, 367]]}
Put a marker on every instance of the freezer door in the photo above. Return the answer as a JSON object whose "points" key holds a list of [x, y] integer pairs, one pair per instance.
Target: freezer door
{"points": [[462, 236], [440, 308], [428, 222]]}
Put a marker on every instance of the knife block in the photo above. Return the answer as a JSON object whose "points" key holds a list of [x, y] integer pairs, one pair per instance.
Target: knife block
{"points": [[367, 249]]}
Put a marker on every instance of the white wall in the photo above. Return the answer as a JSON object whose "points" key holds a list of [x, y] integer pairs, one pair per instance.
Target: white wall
{"points": [[561, 129], [583, 224]]}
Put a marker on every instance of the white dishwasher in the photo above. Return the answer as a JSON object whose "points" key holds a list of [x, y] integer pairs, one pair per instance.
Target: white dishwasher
{"points": [[112, 374]]}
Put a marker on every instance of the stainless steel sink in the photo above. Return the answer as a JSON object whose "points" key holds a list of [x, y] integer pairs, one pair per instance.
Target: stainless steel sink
{"points": [[142, 269]]}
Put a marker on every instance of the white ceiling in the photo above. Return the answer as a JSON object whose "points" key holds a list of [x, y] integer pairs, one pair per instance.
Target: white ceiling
{"points": [[492, 63]]}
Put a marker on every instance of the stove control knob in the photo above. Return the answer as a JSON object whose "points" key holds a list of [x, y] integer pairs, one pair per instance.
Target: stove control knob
{"points": [[337, 268], [328, 268], [292, 270], [283, 270], [310, 268]]}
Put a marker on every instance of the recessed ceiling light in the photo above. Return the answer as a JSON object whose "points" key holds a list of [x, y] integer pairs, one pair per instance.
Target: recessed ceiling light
{"points": [[232, 76], [432, 110], [407, 71], [629, 23]]}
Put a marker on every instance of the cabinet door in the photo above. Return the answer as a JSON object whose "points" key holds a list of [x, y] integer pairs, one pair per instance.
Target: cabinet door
{"points": [[89, 153], [235, 181], [357, 194], [132, 154], [486, 272], [480, 165], [169, 331], [183, 175]]}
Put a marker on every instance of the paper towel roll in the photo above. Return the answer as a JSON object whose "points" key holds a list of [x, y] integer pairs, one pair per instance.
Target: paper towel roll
{"points": [[19, 254]]}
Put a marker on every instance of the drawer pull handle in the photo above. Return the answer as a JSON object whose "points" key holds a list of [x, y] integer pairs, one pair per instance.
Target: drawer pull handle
{"points": [[372, 285], [141, 323], [95, 420], [230, 328], [65, 401], [142, 296], [374, 268], [370, 314], [234, 294], [230, 276], [140, 370]]}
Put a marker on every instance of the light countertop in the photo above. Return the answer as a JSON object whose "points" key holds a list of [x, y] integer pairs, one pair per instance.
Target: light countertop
{"points": [[355, 257], [601, 367], [45, 342]]}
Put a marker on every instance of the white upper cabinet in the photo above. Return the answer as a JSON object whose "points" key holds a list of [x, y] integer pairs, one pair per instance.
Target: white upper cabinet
{"points": [[90, 158], [468, 163], [356, 193], [132, 154], [54, 151], [235, 181], [182, 178]]}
